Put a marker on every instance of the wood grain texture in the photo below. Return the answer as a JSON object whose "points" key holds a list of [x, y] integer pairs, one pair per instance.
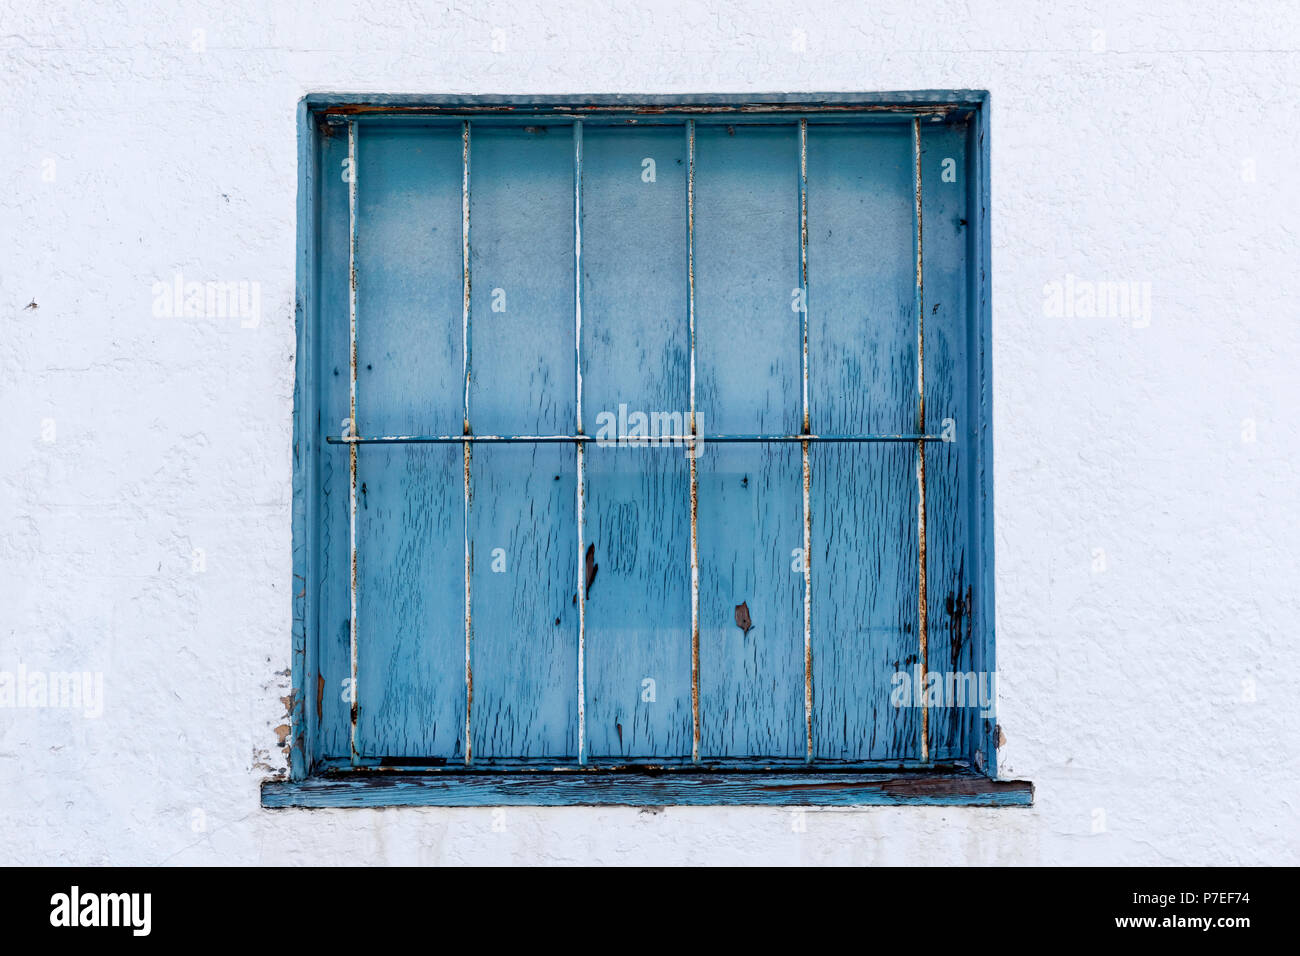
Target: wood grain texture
{"points": [[862, 341], [947, 221], [980, 451], [749, 380], [683, 788], [525, 617], [410, 516], [333, 616], [304, 520], [636, 354]]}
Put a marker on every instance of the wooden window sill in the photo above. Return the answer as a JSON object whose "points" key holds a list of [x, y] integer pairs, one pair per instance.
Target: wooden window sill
{"points": [[648, 788]]}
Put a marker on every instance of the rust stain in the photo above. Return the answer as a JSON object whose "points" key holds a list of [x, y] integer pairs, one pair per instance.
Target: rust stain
{"points": [[578, 110], [320, 695], [803, 258], [807, 597], [743, 620], [582, 609], [352, 429], [922, 608], [806, 462], [282, 732], [694, 448], [695, 611], [469, 622], [592, 568], [468, 454], [465, 265]]}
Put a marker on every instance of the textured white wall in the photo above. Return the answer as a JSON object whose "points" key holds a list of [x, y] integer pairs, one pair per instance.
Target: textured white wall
{"points": [[1147, 688]]}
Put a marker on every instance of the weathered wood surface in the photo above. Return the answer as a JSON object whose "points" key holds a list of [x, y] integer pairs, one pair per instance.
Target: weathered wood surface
{"points": [[949, 479], [524, 617], [410, 511], [629, 789], [862, 321], [634, 352], [749, 381]]}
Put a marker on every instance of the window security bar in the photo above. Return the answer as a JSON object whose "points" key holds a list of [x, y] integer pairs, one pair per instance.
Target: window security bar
{"points": [[620, 440]]}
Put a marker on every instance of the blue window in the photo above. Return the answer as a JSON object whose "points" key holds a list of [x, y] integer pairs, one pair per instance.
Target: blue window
{"points": [[642, 453]]}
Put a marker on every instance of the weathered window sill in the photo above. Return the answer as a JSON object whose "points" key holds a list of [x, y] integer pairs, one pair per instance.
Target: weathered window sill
{"points": [[560, 788]]}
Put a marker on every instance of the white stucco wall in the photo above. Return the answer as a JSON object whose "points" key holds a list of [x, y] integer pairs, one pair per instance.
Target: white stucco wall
{"points": [[1146, 482]]}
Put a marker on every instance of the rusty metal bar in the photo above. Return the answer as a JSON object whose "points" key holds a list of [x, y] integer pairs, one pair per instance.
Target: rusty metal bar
{"points": [[807, 427], [467, 447], [580, 446], [852, 112], [623, 440], [352, 428], [922, 610], [694, 447]]}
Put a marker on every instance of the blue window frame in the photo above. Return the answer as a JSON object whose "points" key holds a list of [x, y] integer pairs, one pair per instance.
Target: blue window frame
{"points": [[642, 452]]}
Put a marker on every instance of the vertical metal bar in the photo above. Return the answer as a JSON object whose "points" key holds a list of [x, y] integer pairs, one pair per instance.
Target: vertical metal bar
{"points": [[922, 612], [694, 450], [466, 446], [352, 427], [807, 472], [580, 446]]}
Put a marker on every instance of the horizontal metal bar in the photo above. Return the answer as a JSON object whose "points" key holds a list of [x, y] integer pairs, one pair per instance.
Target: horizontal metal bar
{"points": [[623, 440], [584, 112], [558, 121], [452, 439]]}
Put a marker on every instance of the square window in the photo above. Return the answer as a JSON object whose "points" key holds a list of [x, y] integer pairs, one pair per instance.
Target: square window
{"points": [[642, 453]]}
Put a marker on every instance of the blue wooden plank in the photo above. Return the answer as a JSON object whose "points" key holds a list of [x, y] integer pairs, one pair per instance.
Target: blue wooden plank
{"points": [[947, 232], [327, 688], [522, 509], [409, 280], [983, 615], [307, 440], [410, 514], [636, 374], [749, 380], [671, 788], [862, 379]]}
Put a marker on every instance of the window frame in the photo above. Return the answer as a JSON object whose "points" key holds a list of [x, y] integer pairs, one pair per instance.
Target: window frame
{"points": [[975, 783]]}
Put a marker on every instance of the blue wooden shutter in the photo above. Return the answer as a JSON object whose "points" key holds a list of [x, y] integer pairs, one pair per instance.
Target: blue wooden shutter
{"points": [[494, 290]]}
